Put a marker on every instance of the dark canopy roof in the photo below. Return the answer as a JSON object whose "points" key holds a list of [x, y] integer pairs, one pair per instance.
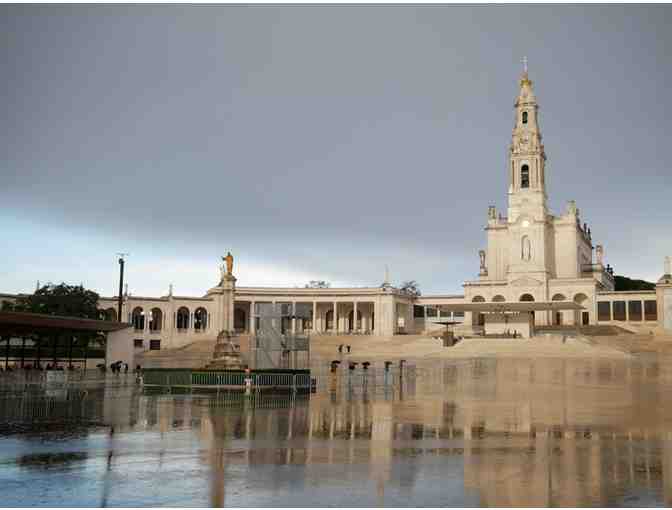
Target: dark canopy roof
{"points": [[41, 321]]}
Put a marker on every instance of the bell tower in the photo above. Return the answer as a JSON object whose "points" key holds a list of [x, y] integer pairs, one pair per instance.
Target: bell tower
{"points": [[527, 188]]}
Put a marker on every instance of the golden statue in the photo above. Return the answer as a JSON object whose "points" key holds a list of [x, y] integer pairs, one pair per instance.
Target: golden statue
{"points": [[229, 263]]}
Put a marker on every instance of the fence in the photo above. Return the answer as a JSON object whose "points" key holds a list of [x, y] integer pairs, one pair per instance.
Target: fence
{"points": [[295, 381]]}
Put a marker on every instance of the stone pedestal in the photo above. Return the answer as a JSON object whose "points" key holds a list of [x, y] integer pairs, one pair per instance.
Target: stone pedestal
{"points": [[227, 355]]}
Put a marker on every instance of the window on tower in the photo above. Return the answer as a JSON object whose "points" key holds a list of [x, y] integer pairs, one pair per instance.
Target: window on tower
{"points": [[525, 176], [524, 117]]}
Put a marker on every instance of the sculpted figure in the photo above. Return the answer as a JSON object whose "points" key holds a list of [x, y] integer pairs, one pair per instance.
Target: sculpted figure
{"points": [[526, 248], [229, 263], [481, 255], [599, 253]]}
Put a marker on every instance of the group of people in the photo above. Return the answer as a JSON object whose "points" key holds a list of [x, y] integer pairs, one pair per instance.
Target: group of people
{"points": [[340, 348], [116, 367]]}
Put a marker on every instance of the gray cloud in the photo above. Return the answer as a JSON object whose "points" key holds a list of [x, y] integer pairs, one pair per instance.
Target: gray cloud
{"points": [[333, 139]]}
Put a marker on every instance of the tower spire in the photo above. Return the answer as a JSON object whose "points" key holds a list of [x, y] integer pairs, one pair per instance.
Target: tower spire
{"points": [[526, 155]]}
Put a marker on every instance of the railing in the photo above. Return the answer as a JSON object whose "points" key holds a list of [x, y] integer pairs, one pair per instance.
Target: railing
{"points": [[227, 380]]}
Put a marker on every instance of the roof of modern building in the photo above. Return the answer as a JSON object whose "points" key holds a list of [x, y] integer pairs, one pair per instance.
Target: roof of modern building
{"points": [[42, 321]]}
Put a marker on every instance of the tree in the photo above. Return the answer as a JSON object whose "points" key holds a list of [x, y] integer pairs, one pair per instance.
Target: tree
{"points": [[410, 287], [318, 284], [63, 299], [624, 283]]}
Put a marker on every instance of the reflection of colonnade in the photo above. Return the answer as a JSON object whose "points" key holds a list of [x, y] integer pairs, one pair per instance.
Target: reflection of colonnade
{"points": [[553, 432]]}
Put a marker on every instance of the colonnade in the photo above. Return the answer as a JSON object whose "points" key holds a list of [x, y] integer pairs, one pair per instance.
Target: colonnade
{"points": [[336, 317]]}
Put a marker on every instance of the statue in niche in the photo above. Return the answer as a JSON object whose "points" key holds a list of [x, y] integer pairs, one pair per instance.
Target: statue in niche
{"points": [[491, 212], [571, 208], [599, 253], [481, 254], [526, 249]]}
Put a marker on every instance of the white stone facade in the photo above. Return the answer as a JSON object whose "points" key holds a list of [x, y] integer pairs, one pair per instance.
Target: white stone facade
{"points": [[531, 255]]}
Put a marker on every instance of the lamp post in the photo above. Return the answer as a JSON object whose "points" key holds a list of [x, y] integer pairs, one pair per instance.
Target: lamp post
{"points": [[121, 284]]}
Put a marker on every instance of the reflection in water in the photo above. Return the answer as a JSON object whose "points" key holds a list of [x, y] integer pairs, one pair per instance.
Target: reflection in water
{"points": [[479, 432]]}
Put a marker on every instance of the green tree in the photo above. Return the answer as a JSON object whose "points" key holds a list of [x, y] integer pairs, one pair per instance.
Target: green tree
{"points": [[625, 283], [62, 299]]}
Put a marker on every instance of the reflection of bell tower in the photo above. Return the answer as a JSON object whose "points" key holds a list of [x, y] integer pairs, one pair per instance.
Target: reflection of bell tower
{"points": [[527, 189]]}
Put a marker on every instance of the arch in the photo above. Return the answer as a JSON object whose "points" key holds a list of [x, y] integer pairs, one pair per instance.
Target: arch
{"points": [[155, 319], [329, 320], [524, 117], [478, 319], [138, 318], [525, 176], [359, 320], [558, 317], [498, 299], [200, 319], [182, 318], [110, 314], [580, 298], [239, 319], [582, 316], [526, 297]]}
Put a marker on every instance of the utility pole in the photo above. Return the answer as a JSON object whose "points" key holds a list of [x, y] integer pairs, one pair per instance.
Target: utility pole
{"points": [[121, 284]]}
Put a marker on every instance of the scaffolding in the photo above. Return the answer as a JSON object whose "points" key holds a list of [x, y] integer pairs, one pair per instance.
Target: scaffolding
{"points": [[276, 345]]}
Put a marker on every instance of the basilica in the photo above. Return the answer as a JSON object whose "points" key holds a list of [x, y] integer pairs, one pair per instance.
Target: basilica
{"points": [[534, 262]]}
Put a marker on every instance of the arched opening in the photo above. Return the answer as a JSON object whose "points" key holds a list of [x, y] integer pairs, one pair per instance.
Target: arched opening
{"points": [[200, 319], [582, 316], [138, 318], [498, 299], [351, 326], [528, 297], [329, 319], [110, 314], [558, 315], [239, 319], [182, 319], [524, 117], [155, 319], [478, 319], [524, 176]]}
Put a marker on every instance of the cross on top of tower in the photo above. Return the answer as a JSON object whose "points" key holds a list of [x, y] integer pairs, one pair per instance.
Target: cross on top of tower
{"points": [[524, 61]]}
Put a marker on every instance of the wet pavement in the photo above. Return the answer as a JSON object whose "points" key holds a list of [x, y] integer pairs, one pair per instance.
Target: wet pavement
{"points": [[471, 433]]}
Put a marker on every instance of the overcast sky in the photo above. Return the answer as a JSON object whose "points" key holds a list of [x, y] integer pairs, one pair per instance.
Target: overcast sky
{"points": [[318, 142]]}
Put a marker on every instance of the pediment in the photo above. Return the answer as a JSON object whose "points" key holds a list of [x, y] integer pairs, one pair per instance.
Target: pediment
{"points": [[526, 281]]}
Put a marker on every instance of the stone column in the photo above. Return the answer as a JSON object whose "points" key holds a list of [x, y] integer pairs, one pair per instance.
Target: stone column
{"points": [[354, 316], [293, 317], [664, 297], [314, 317], [335, 323], [253, 321]]}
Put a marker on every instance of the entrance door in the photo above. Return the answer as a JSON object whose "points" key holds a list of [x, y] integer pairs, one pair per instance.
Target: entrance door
{"points": [[585, 318]]}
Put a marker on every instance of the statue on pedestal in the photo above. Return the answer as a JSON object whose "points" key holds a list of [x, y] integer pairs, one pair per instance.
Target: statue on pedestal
{"points": [[599, 254], [481, 255]]}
